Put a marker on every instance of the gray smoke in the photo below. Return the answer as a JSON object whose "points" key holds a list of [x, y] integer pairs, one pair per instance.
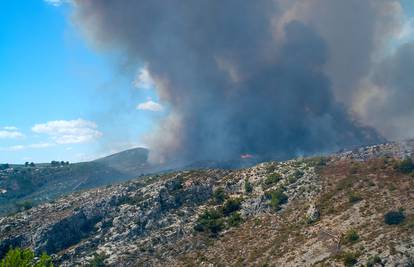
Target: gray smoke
{"points": [[259, 77], [389, 106]]}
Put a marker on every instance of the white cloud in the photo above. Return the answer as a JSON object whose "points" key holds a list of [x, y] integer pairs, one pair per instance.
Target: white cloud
{"points": [[10, 132], [150, 105], [69, 132], [144, 79]]}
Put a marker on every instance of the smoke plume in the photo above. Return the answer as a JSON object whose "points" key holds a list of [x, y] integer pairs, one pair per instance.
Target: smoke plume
{"points": [[268, 78]]}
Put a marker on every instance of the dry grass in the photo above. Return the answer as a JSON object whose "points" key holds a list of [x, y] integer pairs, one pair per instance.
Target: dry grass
{"points": [[285, 239]]}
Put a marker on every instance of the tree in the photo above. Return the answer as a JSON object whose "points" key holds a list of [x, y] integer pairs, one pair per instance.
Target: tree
{"points": [[44, 261], [26, 164], [54, 163], [32, 164], [18, 257]]}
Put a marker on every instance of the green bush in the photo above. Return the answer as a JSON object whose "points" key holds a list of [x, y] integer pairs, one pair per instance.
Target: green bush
{"points": [[25, 205], [17, 257], [272, 179], [349, 258], [219, 196], [234, 219], [298, 174], [44, 261], [405, 166], [248, 187], [373, 260], [211, 220], [277, 198], [231, 206], [394, 217], [354, 197], [317, 161], [97, 261], [351, 236]]}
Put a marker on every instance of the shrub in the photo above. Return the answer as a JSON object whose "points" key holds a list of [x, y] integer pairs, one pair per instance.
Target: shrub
{"points": [[219, 196], [317, 161], [298, 174], [210, 220], [272, 179], [231, 206], [44, 261], [98, 260], [405, 166], [235, 219], [25, 205], [394, 217], [18, 257], [248, 187], [351, 236], [373, 260], [277, 198], [349, 258], [354, 197]]}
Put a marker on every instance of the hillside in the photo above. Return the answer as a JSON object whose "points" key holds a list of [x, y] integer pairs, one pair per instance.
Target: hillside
{"points": [[131, 161], [352, 208], [23, 186]]}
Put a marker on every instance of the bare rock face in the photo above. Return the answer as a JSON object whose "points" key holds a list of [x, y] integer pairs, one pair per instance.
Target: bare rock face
{"points": [[296, 213]]}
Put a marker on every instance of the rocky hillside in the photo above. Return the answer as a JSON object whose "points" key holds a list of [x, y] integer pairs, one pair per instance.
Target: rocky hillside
{"points": [[24, 186], [352, 208]]}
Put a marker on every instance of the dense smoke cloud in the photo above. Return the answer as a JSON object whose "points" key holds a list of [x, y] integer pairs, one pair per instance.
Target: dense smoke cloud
{"points": [[387, 101], [270, 78]]}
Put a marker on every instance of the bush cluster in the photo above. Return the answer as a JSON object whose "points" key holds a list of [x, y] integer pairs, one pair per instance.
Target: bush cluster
{"points": [[18, 257], [405, 166], [248, 187], [394, 217], [272, 179], [219, 196], [349, 258], [350, 237], [277, 198], [216, 219], [373, 260]]}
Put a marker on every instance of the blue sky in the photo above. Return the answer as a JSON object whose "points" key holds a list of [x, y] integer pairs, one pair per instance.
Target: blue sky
{"points": [[60, 99]]}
